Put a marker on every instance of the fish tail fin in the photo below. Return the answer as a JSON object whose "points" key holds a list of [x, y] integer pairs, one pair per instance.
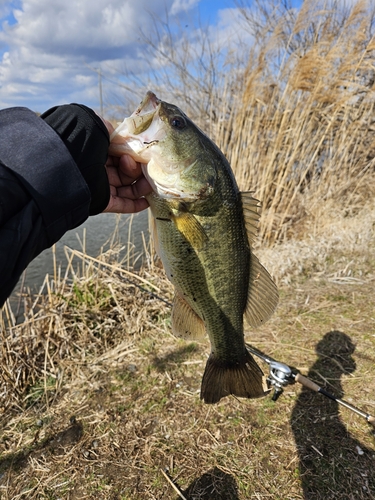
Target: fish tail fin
{"points": [[243, 379]]}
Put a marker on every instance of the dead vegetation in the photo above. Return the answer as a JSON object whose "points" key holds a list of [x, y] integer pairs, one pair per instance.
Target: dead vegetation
{"points": [[99, 401], [301, 128], [293, 111]]}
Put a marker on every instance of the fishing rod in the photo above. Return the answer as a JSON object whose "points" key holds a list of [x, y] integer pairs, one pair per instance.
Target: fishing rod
{"points": [[282, 375]]}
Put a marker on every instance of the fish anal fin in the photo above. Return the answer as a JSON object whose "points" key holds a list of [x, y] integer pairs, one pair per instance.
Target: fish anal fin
{"points": [[262, 296], [244, 379], [251, 212], [185, 322], [190, 228]]}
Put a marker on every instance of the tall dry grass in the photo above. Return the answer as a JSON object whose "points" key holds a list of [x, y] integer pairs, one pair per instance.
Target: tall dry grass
{"points": [[292, 106], [300, 127]]}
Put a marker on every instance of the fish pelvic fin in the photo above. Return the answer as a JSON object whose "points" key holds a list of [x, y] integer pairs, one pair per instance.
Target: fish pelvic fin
{"points": [[185, 322], [263, 295], [242, 379]]}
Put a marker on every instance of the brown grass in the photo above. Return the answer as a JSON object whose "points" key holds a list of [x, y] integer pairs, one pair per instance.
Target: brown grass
{"points": [[99, 401], [300, 131], [98, 398]]}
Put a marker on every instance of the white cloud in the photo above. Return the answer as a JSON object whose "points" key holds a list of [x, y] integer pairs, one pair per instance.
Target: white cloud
{"points": [[182, 6], [94, 25], [50, 51], [49, 46]]}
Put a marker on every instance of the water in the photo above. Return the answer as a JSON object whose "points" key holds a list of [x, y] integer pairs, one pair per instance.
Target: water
{"points": [[93, 235]]}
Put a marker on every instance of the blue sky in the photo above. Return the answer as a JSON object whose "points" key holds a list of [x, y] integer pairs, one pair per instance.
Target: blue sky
{"points": [[50, 50]]}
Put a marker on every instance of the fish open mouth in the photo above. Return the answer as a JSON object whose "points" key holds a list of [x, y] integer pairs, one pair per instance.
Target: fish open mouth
{"points": [[142, 128], [149, 104], [142, 118]]}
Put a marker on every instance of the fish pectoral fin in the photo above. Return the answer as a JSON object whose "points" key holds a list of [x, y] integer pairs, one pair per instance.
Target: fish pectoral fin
{"points": [[243, 379], [251, 212], [185, 322], [190, 228], [262, 297]]}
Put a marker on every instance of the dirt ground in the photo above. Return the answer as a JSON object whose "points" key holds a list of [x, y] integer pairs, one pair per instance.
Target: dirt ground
{"points": [[99, 400]]}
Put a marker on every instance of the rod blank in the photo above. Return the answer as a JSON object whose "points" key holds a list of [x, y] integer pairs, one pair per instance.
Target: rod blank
{"points": [[306, 382]]}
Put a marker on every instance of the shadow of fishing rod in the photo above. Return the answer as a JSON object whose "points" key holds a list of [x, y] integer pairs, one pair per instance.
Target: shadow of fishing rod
{"points": [[282, 375]]}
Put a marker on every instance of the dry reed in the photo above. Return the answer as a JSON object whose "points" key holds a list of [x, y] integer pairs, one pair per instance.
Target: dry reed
{"points": [[97, 397], [300, 132]]}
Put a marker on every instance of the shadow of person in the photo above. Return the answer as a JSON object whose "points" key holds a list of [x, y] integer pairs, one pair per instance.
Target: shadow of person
{"points": [[332, 465], [215, 484], [58, 443]]}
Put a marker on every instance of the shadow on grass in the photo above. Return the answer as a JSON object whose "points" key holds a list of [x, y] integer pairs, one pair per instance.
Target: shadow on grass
{"points": [[57, 444], [177, 356], [213, 485], [332, 465]]}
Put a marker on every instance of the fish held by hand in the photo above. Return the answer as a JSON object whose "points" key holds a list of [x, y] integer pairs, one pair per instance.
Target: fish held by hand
{"points": [[203, 229]]}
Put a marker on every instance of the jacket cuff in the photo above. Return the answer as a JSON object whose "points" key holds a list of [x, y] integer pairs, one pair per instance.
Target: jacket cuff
{"points": [[43, 165], [87, 140]]}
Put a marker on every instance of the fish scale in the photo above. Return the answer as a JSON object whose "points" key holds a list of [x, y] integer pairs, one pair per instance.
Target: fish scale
{"points": [[203, 229]]}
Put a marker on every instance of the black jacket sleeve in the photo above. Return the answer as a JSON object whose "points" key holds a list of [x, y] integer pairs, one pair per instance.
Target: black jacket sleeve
{"points": [[52, 177]]}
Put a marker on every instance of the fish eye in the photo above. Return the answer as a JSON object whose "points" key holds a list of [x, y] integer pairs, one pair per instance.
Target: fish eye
{"points": [[178, 122]]}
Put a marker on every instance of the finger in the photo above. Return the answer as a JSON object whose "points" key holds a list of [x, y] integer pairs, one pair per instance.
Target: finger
{"points": [[120, 205], [136, 190], [112, 161], [129, 169], [113, 176]]}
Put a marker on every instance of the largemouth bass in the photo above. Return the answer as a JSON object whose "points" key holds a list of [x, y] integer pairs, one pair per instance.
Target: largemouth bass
{"points": [[203, 232]]}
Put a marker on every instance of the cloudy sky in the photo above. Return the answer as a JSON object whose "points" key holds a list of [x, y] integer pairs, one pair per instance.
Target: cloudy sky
{"points": [[51, 50]]}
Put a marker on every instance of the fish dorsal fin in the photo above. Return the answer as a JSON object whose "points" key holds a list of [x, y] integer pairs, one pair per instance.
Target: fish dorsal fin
{"points": [[185, 322], [262, 297], [190, 228], [251, 212]]}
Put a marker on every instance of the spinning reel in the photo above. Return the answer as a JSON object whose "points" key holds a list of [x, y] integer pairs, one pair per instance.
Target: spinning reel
{"points": [[281, 375]]}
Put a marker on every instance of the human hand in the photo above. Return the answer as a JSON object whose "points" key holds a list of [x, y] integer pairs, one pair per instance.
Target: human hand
{"points": [[127, 185]]}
